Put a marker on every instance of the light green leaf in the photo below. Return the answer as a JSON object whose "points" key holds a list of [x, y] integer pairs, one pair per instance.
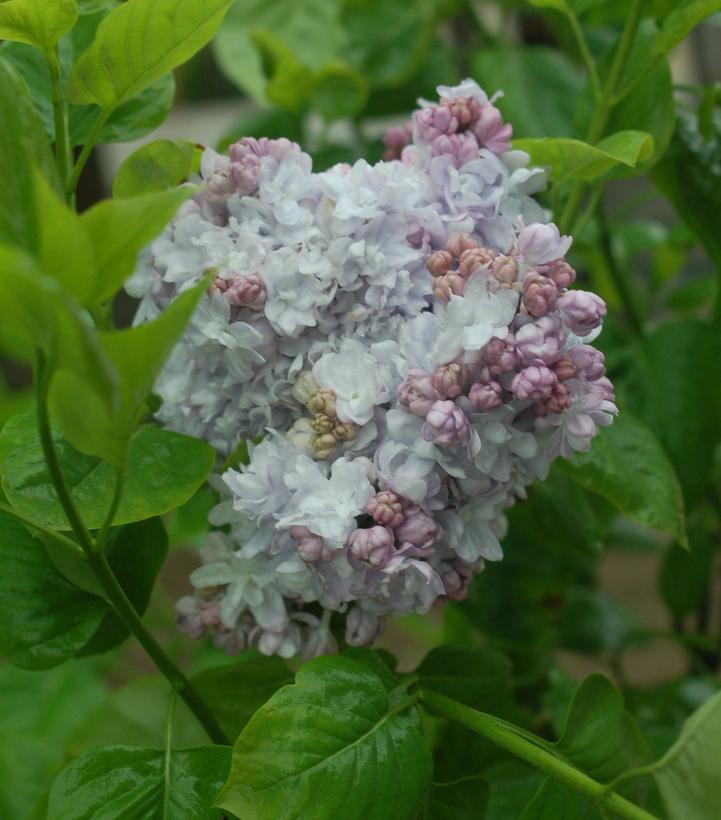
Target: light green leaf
{"points": [[120, 228], [571, 158], [164, 470], [330, 745], [472, 676], [38, 23], [129, 781], [339, 91], [138, 43], [235, 692], [686, 15], [628, 466], [157, 166], [688, 774], [462, 799], [46, 619]]}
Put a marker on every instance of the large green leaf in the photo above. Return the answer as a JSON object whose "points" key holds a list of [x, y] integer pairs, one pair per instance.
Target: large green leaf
{"points": [[164, 470], [686, 15], [235, 692], [685, 576], [688, 774], [628, 466], [331, 745], [138, 43], [462, 799], [46, 618], [129, 781], [472, 676], [37, 22], [157, 166], [577, 160]]}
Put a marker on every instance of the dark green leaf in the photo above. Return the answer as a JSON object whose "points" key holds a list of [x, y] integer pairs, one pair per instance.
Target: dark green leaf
{"points": [[554, 801], [330, 746], [47, 619], [137, 44], [128, 781], [36, 22], [590, 621], [685, 576], [463, 799], [628, 466], [236, 692], [475, 677], [156, 166], [164, 470], [379, 661]]}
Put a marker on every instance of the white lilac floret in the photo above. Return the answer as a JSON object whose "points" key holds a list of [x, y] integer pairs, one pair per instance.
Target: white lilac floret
{"points": [[403, 337]]}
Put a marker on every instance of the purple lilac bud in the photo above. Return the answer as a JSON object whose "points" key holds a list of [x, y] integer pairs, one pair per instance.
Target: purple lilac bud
{"points": [[395, 140], [564, 368], [466, 110], [485, 397], [460, 242], [505, 269], [439, 262], [451, 284], [539, 294], [540, 341], [242, 290], [432, 122], [386, 509], [557, 402], [311, 547], [539, 243], [473, 259], [373, 546], [535, 383], [582, 311], [561, 272], [448, 380], [362, 627], [588, 362], [490, 130], [419, 529], [417, 393], [461, 148], [446, 424], [501, 355], [457, 576], [607, 388]]}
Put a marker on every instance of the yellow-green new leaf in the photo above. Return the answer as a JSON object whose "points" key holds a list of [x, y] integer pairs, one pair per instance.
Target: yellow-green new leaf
{"points": [[39, 23], [138, 43], [157, 166]]}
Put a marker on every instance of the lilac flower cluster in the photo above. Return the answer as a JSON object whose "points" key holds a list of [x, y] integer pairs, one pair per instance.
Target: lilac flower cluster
{"points": [[404, 338]]}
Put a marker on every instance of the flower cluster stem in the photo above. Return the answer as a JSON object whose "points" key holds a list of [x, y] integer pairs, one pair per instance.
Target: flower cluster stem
{"points": [[540, 758]]}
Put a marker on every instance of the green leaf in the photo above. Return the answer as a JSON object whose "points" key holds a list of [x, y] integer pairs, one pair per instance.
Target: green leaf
{"points": [[137, 44], [687, 774], [136, 553], [590, 622], [686, 15], [463, 799], [128, 781], [235, 692], [541, 88], [577, 160], [157, 166], [164, 470], [628, 466], [137, 354], [37, 22], [120, 228], [472, 676], [685, 576], [46, 619], [553, 801], [339, 91], [330, 745]]}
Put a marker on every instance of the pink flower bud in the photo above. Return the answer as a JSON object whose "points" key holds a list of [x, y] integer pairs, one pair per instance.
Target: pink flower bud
{"points": [[582, 311], [539, 243], [457, 576], [466, 110], [557, 402], [419, 529], [439, 262], [606, 388], [373, 546], [460, 242], [485, 396], [501, 355], [561, 272], [395, 140], [362, 627], [448, 380], [490, 130], [311, 547], [539, 294], [540, 341], [446, 424], [386, 509], [242, 290], [564, 368], [535, 382], [432, 122], [446, 286], [473, 259], [461, 148], [417, 393], [505, 269], [588, 361]]}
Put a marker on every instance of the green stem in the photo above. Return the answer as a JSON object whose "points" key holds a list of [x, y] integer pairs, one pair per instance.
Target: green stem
{"points": [[63, 150], [87, 149], [586, 56], [487, 726], [102, 533], [605, 104], [168, 745], [97, 562]]}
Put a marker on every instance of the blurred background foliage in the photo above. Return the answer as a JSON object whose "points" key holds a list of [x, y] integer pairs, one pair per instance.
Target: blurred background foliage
{"points": [[581, 587]]}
